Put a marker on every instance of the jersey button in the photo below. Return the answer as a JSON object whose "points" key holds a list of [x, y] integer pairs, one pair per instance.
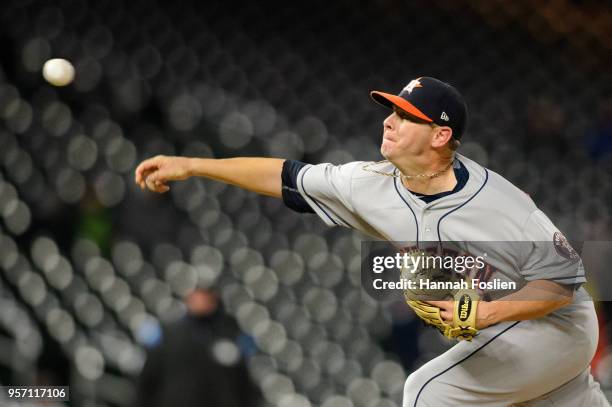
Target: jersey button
{"points": [[427, 230]]}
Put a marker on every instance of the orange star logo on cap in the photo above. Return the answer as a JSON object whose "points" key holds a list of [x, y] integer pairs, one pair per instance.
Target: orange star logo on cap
{"points": [[413, 84]]}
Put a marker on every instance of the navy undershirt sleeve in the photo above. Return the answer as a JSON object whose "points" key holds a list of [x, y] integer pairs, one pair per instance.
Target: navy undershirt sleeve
{"points": [[291, 196]]}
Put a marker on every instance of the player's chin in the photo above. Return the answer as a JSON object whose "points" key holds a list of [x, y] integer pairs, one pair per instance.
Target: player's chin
{"points": [[386, 149]]}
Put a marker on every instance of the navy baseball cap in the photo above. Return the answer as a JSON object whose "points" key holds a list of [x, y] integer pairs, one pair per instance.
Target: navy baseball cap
{"points": [[430, 100]]}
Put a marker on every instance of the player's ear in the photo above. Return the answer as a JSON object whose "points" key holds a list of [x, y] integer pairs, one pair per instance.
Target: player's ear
{"points": [[441, 136]]}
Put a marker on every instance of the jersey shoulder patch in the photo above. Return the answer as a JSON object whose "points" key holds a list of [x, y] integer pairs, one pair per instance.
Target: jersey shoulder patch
{"points": [[563, 246]]}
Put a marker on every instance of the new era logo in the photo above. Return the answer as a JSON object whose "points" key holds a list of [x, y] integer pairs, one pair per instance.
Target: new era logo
{"points": [[444, 116]]}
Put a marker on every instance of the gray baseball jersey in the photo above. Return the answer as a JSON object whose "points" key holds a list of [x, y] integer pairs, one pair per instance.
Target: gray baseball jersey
{"points": [[511, 362]]}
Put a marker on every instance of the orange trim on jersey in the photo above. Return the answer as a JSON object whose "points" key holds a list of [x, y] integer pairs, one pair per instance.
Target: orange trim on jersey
{"points": [[388, 100]]}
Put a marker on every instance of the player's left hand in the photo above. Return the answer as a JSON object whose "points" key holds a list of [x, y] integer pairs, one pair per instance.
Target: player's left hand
{"points": [[447, 310]]}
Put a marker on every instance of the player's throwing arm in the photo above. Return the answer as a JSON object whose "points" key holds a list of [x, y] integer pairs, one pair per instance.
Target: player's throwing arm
{"points": [[260, 175]]}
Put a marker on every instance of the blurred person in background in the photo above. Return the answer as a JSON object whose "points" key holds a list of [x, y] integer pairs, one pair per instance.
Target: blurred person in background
{"points": [[197, 361]]}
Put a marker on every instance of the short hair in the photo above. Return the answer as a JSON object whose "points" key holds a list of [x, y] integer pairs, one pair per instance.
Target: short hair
{"points": [[454, 144]]}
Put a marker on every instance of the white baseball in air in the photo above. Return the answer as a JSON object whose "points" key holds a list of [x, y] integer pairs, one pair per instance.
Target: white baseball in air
{"points": [[58, 72]]}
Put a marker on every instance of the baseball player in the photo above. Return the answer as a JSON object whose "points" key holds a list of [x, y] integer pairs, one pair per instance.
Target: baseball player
{"points": [[533, 352]]}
